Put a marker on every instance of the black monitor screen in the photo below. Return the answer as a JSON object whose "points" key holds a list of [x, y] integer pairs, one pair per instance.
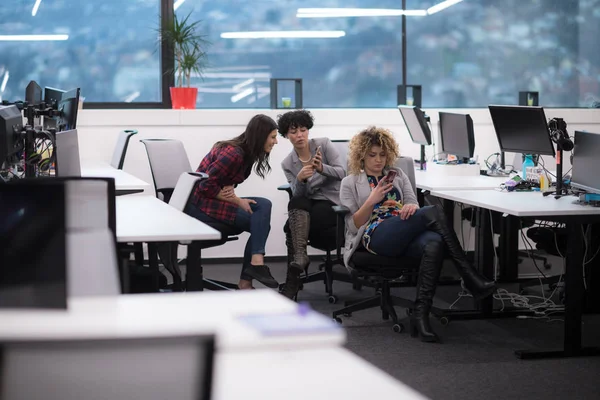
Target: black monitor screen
{"points": [[52, 96], [586, 154], [457, 134], [522, 129], [68, 106], [416, 124], [32, 245], [11, 124]]}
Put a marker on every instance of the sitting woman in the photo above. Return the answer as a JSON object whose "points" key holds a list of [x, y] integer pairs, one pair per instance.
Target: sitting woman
{"points": [[314, 171], [228, 164], [385, 219]]}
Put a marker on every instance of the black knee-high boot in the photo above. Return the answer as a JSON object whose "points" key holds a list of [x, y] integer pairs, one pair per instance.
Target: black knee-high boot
{"points": [[293, 280], [299, 223], [429, 273], [479, 286]]}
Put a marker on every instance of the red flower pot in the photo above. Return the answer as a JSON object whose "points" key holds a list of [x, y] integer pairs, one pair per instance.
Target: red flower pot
{"points": [[184, 98]]}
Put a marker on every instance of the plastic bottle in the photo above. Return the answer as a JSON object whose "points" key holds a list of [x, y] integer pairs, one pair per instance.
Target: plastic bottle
{"points": [[527, 163]]}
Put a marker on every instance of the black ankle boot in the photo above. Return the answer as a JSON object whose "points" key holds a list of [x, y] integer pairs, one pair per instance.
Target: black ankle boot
{"points": [[429, 273], [479, 286], [299, 223]]}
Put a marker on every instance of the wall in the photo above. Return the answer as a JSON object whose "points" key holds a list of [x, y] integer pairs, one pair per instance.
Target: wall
{"points": [[199, 129]]}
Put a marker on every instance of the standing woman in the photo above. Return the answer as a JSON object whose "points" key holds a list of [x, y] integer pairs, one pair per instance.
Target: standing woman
{"points": [[314, 171], [385, 219], [228, 164]]}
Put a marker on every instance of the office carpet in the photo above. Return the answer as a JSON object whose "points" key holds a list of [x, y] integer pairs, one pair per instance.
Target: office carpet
{"points": [[476, 357]]}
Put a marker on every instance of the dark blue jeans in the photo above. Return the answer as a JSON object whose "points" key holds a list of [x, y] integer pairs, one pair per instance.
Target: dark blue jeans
{"points": [[395, 237], [258, 224]]}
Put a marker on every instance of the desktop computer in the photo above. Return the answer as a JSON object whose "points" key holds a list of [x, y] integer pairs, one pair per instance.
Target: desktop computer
{"points": [[153, 368], [586, 154], [32, 245], [458, 137], [416, 123]]}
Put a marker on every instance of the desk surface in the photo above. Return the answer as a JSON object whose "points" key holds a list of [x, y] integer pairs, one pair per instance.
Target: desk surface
{"points": [[429, 180], [148, 219], [146, 315], [315, 374], [520, 204], [123, 180]]}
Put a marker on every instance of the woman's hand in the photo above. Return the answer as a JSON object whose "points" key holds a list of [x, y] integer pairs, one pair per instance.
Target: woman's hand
{"points": [[244, 204], [305, 173], [227, 192], [379, 192], [317, 162], [408, 211]]}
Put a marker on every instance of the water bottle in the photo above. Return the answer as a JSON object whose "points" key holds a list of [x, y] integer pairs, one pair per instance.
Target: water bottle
{"points": [[527, 163]]}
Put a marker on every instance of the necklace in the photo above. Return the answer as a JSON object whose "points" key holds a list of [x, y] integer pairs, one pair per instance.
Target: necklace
{"points": [[304, 161]]}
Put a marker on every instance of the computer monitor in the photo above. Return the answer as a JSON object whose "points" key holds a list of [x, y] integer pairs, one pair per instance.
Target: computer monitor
{"points": [[521, 129], [68, 107], [586, 154], [66, 153], [416, 124], [52, 96], [33, 93], [32, 245], [154, 368], [11, 124], [458, 137]]}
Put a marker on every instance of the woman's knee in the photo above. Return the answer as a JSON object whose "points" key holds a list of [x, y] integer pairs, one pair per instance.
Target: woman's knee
{"points": [[299, 203], [263, 204]]}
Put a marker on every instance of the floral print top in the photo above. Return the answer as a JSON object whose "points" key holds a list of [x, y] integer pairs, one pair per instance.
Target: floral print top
{"points": [[390, 206]]}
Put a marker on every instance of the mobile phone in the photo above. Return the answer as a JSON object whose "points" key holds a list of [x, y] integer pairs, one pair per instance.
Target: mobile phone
{"points": [[391, 175], [318, 150]]}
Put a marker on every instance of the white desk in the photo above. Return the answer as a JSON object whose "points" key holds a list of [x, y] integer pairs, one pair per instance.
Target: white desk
{"points": [[123, 181], [534, 204], [429, 180], [148, 219], [145, 315], [519, 204], [316, 374]]}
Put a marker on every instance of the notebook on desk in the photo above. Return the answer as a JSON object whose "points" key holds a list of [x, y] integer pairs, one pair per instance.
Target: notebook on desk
{"points": [[293, 323]]}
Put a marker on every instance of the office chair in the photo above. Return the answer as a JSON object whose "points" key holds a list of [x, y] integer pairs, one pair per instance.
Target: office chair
{"points": [[118, 157], [384, 272], [168, 161], [327, 241]]}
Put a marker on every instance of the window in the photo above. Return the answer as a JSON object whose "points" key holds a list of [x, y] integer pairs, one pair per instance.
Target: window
{"points": [[360, 65], [479, 52], [107, 48]]}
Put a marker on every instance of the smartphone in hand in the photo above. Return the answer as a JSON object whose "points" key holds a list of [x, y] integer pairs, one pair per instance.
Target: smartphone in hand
{"points": [[391, 175], [318, 150]]}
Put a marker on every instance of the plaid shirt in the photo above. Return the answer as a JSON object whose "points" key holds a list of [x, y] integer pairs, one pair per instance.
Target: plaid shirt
{"points": [[224, 166]]}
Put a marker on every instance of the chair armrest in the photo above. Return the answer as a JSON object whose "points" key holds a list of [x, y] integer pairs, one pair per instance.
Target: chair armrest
{"points": [[287, 188], [341, 210], [199, 174]]}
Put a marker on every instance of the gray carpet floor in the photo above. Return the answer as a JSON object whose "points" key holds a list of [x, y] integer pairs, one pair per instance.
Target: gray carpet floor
{"points": [[476, 357]]}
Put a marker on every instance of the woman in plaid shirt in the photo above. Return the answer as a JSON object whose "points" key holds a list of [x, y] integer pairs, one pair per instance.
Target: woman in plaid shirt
{"points": [[228, 164]]}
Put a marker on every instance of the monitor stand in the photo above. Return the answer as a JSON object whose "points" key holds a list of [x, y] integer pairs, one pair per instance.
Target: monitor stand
{"points": [[560, 189], [422, 161]]}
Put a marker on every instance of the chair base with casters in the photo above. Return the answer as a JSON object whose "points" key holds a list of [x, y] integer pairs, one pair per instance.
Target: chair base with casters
{"points": [[385, 273]]}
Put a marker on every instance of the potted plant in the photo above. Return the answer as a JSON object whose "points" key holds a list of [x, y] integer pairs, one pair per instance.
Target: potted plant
{"points": [[190, 57]]}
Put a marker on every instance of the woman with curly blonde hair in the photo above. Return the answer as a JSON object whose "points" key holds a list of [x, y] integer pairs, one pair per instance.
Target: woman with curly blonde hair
{"points": [[385, 219]]}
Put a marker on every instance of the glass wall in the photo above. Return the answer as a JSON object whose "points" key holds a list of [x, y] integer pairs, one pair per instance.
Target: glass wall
{"points": [[468, 54], [107, 48], [479, 52], [359, 66]]}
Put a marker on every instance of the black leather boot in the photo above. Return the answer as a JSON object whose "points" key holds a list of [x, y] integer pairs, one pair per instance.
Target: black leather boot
{"points": [[429, 273], [479, 286], [299, 223], [292, 281]]}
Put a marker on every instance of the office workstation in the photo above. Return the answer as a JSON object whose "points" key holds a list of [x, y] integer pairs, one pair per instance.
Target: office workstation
{"points": [[105, 266]]}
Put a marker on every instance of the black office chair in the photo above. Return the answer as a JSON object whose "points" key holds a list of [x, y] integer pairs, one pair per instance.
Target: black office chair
{"points": [[168, 161], [327, 241], [384, 273]]}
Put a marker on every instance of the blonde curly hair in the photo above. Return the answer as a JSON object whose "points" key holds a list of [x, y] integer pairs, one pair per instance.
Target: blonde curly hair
{"points": [[362, 142]]}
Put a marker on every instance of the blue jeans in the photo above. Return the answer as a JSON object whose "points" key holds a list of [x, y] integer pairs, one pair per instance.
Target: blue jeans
{"points": [[258, 224], [395, 237]]}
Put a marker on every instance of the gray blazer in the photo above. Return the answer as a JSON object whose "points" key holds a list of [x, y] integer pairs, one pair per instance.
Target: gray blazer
{"points": [[354, 192], [326, 183]]}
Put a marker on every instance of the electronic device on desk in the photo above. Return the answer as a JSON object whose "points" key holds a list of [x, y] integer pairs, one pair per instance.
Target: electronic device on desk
{"points": [[150, 368], [33, 245], [586, 160], [525, 130], [418, 129], [458, 137]]}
